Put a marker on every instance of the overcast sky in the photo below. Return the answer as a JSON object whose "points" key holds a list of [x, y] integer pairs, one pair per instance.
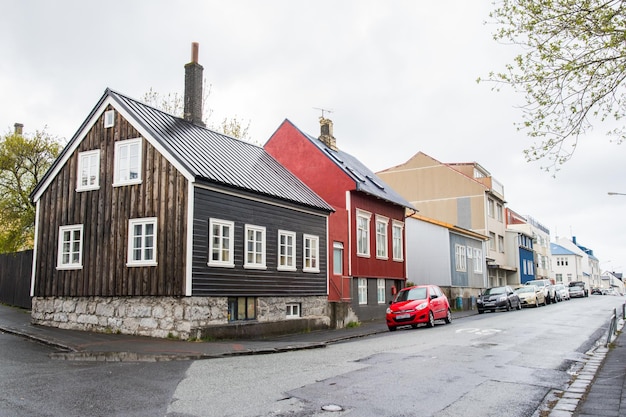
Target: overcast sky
{"points": [[399, 77]]}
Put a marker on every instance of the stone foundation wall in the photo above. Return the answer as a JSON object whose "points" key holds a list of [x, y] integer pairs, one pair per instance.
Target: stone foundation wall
{"points": [[179, 317]]}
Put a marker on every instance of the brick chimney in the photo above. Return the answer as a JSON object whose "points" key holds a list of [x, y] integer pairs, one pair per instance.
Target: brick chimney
{"points": [[326, 136], [193, 88], [18, 128]]}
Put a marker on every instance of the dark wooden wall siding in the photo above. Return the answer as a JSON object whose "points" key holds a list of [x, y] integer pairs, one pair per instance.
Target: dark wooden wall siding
{"points": [[238, 281], [104, 214]]}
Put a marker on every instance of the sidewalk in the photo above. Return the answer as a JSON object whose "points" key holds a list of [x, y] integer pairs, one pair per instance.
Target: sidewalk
{"points": [[80, 345], [598, 390]]}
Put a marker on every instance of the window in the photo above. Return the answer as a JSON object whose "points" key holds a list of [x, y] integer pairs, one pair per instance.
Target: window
{"points": [[460, 258], [255, 247], [490, 208], [492, 241], [362, 284], [501, 243], [559, 277], [286, 251], [127, 162], [311, 254], [499, 212], [478, 261], [380, 290], [88, 170], [381, 237], [241, 308], [337, 258], [142, 242], [221, 240], [363, 233], [70, 249], [293, 310], [397, 229], [109, 118]]}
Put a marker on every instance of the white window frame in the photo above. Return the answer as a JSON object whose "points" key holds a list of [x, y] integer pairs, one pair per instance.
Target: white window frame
{"points": [[382, 242], [490, 207], [363, 233], [310, 253], [71, 242], [398, 240], [500, 212], [293, 310], [255, 247], [109, 118], [286, 251], [88, 162], [460, 258], [143, 246], [478, 260], [500, 243], [362, 290], [121, 166], [380, 290], [220, 247], [337, 258]]}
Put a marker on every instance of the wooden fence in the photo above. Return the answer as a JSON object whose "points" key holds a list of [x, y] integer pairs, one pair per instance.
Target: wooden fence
{"points": [[15, 274]]}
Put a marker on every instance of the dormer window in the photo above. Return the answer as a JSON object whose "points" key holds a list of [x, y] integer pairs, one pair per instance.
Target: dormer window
{"points": [[127, 162], [88, 170]]}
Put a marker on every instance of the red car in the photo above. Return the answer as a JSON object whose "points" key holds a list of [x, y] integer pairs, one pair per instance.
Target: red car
{"points": [[418, 304]]}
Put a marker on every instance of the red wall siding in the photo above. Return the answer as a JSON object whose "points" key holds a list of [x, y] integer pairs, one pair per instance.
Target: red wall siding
{"points": [[372, 267], [315, 168]]}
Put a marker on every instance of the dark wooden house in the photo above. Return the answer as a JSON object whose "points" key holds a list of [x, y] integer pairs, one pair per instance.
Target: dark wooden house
{"points": [[366, 244], [152, 224]]}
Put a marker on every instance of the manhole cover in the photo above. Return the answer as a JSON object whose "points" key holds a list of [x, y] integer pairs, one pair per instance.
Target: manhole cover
{"points": [[332, 407]]}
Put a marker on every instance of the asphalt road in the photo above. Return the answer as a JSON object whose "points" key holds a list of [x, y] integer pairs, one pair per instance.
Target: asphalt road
{"points": [[32, 384], [506, 363]]}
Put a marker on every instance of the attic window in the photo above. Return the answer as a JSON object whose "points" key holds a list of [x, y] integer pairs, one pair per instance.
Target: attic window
{"points": [[376, 183], [109, 118]]}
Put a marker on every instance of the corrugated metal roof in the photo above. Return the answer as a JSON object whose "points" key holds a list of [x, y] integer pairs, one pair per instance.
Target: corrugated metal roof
{"points": [[366, 180], [207, 156], [218, 158]]}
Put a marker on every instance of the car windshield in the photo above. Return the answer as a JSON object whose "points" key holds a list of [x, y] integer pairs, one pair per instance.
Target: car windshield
{"points": [[525, 289], [412, 294], [538, 283], [575, 288], [495, 290]]}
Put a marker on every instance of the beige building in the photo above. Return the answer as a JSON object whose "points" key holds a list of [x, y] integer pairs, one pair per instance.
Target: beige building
{"points": [[463, 194]]}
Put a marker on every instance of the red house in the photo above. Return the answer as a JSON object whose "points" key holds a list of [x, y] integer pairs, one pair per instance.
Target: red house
{"points": [[366, 244]]}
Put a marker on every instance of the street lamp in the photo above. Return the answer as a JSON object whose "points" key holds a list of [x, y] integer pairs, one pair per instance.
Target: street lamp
{"points": [[612, 193]]}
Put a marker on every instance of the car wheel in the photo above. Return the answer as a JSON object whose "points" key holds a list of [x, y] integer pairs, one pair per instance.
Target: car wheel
{"points": [[414, 326], [392, 328], [431, 319], [519, 305], [481, 311], [448, 318], [508, 306], [537, 303]]}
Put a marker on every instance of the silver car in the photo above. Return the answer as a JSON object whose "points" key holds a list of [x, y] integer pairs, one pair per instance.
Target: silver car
{"points": [[561, 292]]}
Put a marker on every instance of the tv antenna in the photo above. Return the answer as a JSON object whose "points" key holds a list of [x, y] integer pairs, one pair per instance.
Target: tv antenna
{"points": [[323, 110]]}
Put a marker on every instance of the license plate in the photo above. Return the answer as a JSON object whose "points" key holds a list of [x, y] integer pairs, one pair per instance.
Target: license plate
{"points": [[403, 316]]}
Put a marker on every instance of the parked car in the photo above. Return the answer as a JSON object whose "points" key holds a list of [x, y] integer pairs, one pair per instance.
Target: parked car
{"points": [[531, 296], [597, 291], [498, 298], [561, 292], [416, 305], [576, 292], [547, 288], [580, 284]]}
